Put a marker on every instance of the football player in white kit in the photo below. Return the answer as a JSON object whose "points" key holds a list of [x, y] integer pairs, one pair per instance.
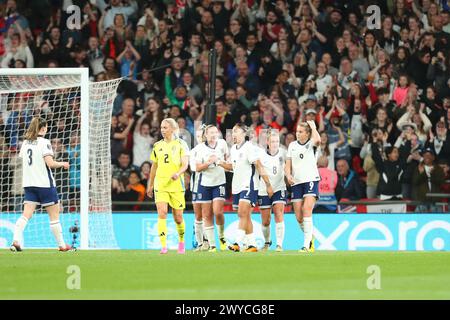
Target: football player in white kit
{"points": [[247, 168], [212, 184], [198, 225], [273, 162], [38, 182], [302, 174]]}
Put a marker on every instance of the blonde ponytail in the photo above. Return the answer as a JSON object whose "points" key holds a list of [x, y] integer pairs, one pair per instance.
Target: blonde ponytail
{"points": [[35, 126]]}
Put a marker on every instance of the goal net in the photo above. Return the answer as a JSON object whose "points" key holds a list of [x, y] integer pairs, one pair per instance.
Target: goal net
{"points": [[78, 114]]}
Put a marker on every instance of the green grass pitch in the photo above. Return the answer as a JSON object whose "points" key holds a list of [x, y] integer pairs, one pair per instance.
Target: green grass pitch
{"points": [[42, 274]]}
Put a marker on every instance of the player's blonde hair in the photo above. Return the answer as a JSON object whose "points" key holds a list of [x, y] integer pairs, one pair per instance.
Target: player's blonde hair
{"points": [[306, 126], [269, 134], [171, 122], [35, 126]]}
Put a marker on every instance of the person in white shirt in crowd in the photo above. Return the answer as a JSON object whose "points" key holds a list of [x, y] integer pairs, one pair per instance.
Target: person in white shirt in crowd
{"points": [[142, 141]]}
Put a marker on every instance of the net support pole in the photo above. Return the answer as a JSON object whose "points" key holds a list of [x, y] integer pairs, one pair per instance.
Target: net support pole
{"points": [[84, 160], [211, 111]]}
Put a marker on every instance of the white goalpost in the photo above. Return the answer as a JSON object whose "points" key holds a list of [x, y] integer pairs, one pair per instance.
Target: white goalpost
{"points": [[78, 114]]}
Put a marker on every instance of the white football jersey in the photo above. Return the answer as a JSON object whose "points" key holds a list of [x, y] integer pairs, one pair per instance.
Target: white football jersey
{"points": [[35, 170], [274, 166], [304, 162], [243, 159], [193, 166], [214, 175]]}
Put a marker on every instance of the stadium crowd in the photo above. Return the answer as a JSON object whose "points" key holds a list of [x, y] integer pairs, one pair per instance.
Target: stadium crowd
{"points": [[380, 97]]}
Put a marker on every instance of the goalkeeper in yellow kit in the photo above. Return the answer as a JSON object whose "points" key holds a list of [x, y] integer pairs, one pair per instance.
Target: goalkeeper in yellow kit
{"points": [[169, 162]]}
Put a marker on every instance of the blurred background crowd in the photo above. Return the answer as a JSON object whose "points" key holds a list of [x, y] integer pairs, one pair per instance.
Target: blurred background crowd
{"points": [[380, 97]]}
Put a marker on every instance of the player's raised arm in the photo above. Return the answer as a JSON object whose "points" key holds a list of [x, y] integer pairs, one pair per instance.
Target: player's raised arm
{"points": [[315, 135]]}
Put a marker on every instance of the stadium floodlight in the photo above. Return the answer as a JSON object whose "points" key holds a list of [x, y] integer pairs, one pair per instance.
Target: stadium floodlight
{"points": [[79, 120]]}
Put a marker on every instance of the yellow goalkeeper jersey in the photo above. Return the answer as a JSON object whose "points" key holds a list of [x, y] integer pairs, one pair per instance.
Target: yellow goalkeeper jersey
{"points": [[168, 156]]}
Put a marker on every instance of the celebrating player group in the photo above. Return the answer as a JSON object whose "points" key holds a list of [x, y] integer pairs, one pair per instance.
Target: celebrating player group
{"points": [[260, 176]]}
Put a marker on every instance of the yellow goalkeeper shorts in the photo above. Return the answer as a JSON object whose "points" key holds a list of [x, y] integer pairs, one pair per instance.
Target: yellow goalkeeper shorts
{"points": [[174, 199]]}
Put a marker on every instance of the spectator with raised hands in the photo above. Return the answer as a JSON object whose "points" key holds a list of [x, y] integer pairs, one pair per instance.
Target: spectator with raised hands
{"points": [[391, 168], [323, 81], [18, 49], [244, 16], [177, 96], [332, 28], [389, 38], [272, 26], [339, 51], [239, 56], [284, 52], [382, 61], [268, 70], [142, 140], [327, 149], [412, 161], [439, 71], [150, 24], [336, 118], [421, 122], [359, 63], [439, 142], [308, 46], [347, 75], [127, 8]]}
